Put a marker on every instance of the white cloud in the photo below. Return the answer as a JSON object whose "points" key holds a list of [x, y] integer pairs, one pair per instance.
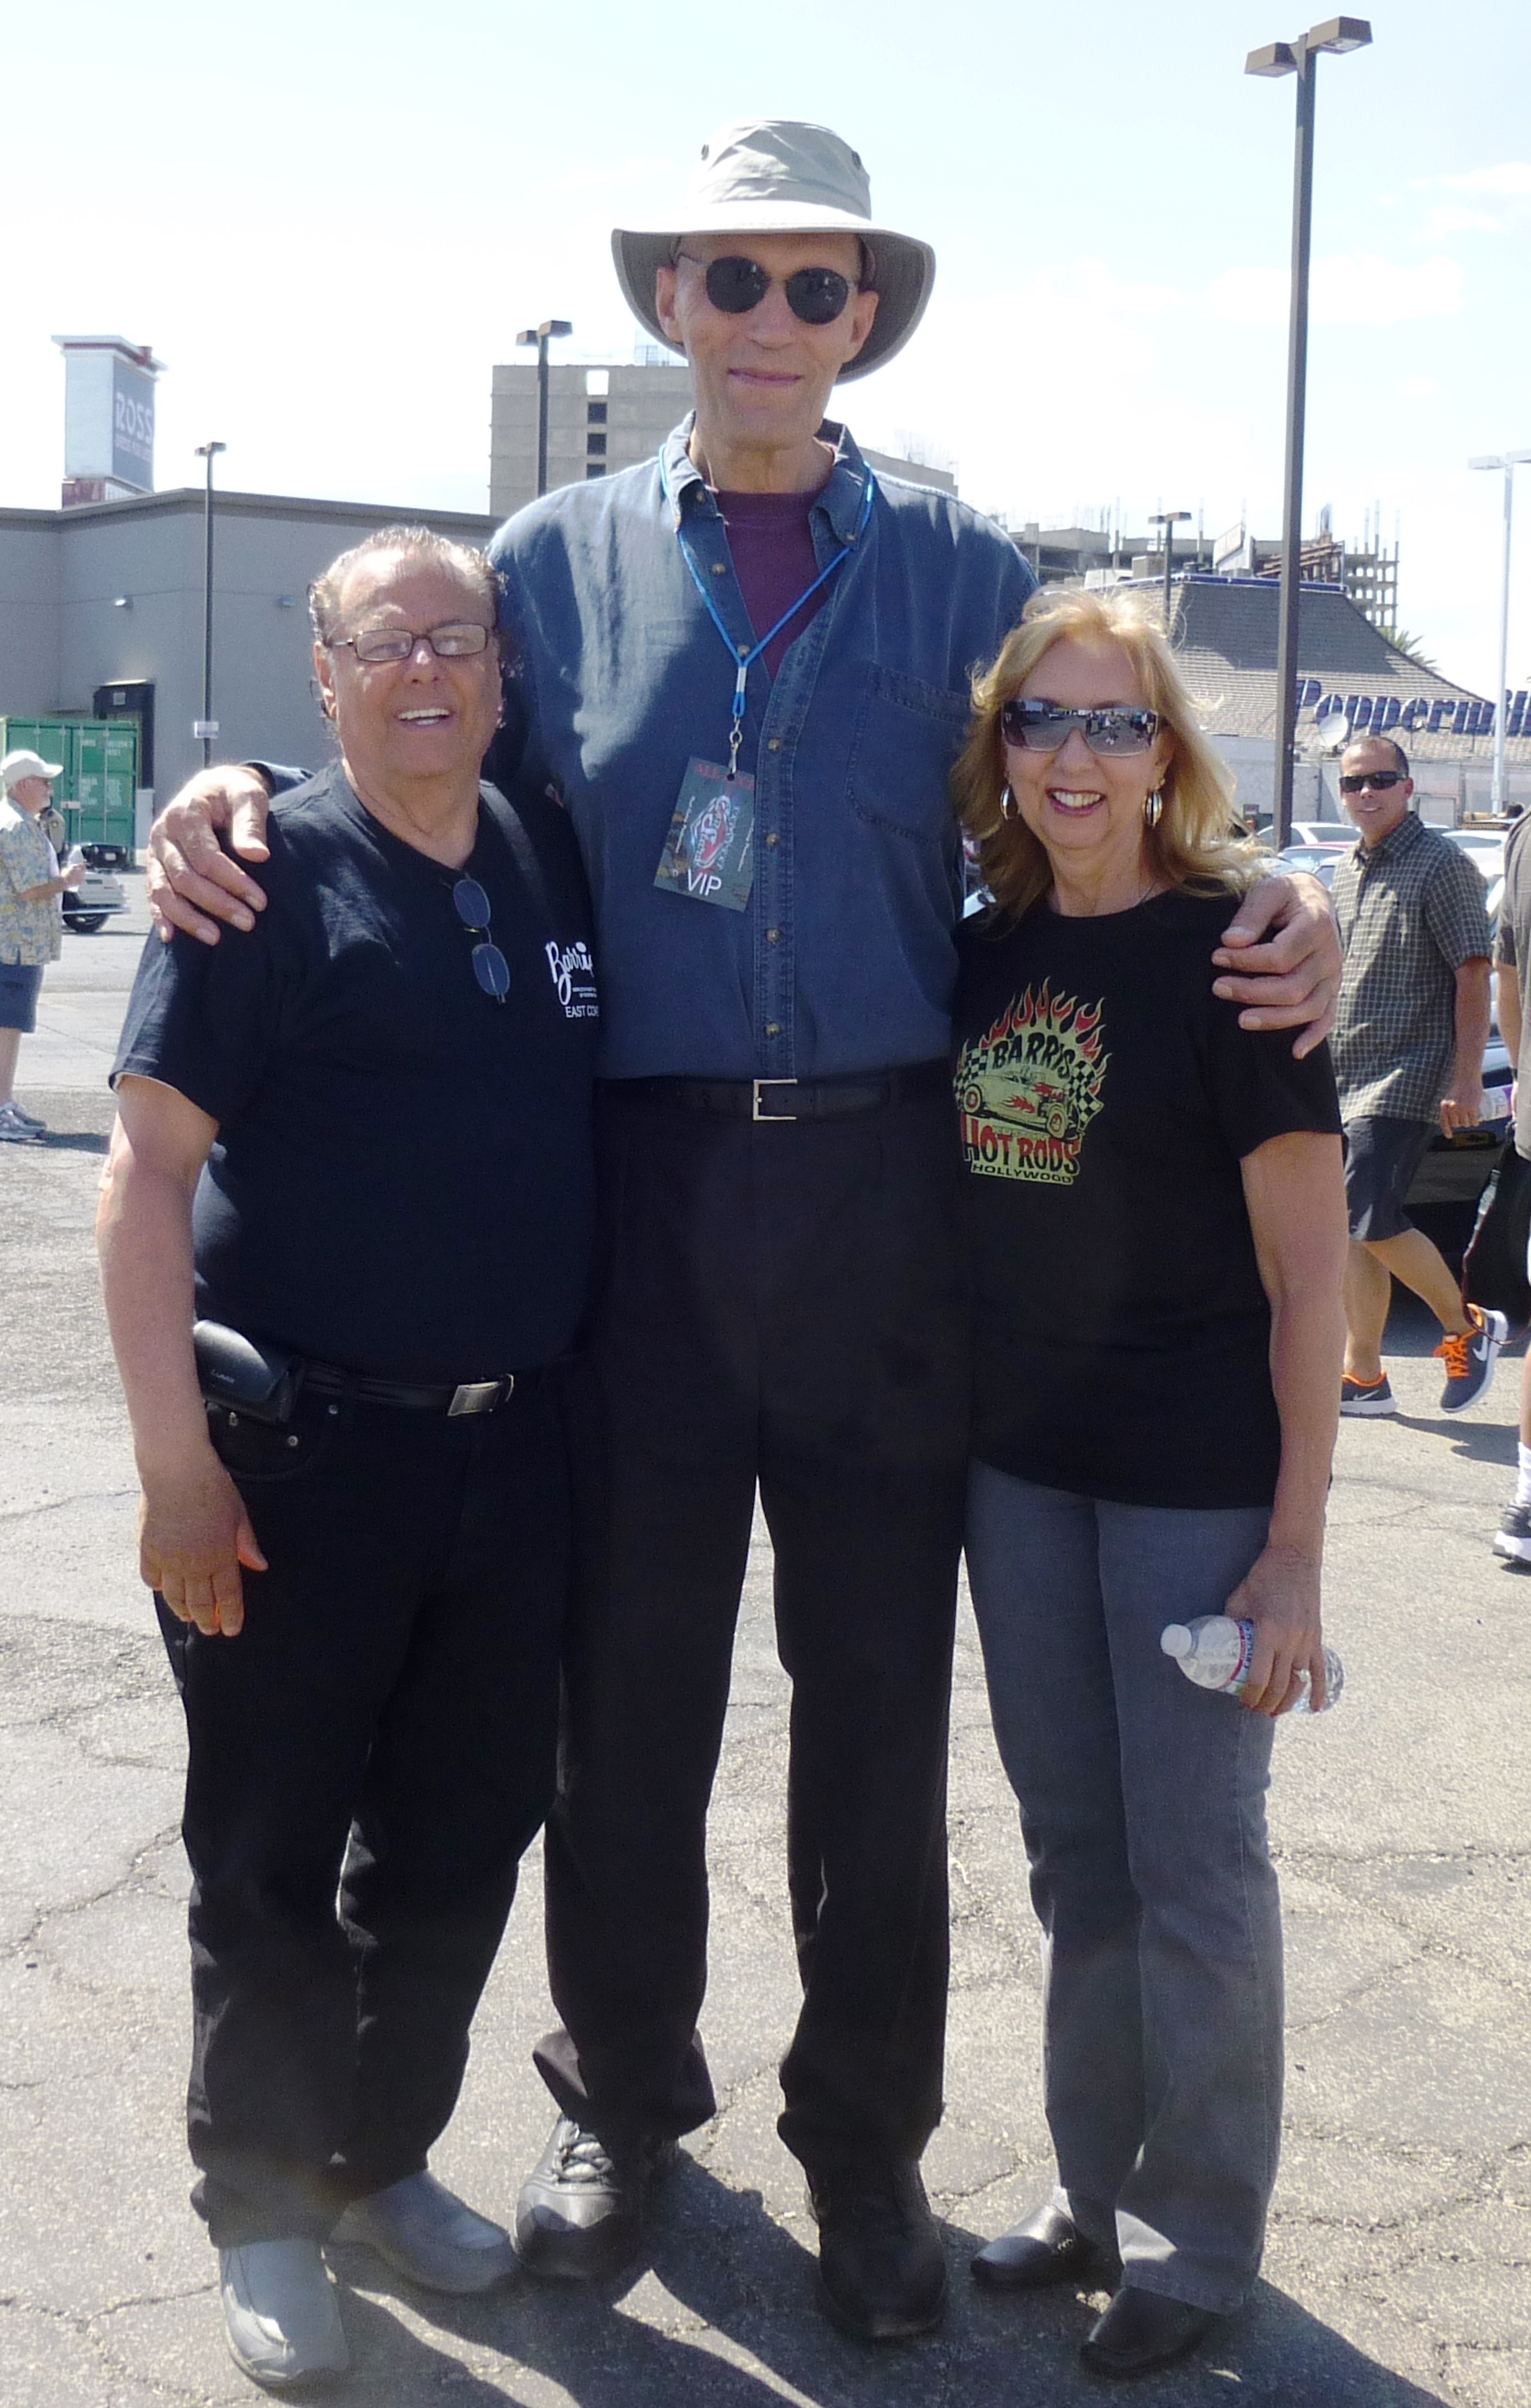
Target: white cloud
{"points": [[1349, 289], [1510, 181], [1449, 217]]}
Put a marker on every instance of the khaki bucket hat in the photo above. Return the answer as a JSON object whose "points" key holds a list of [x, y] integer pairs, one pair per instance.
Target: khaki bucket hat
{"points": [[772, 175]]}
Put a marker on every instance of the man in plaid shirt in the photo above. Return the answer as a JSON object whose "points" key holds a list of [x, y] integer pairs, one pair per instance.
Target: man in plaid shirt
{"points": [[1408, 1040]]}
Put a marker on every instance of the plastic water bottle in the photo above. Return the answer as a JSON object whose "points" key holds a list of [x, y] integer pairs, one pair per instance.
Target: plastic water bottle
{"points": [[1216, 1652]]}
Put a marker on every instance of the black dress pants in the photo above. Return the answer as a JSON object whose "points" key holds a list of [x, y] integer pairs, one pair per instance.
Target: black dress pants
{"points": [[384, 1727], [782, 1304]]}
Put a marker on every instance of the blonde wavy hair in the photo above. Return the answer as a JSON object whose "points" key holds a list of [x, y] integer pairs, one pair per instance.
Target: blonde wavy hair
{"points": [[1191, 845]]}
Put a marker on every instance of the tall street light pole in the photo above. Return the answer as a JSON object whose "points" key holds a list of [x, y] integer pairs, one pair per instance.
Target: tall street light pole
{"points": [[541, 336], [1509, 461], [1168, 519], [206, 727], [1298, 58]]}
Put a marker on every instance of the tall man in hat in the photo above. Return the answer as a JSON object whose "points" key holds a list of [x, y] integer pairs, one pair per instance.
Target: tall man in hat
{"points": [[744, 667]]}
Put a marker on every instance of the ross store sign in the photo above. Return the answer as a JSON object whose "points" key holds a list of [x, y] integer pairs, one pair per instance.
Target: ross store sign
{"points": [[1434, 714], [132, 426]]}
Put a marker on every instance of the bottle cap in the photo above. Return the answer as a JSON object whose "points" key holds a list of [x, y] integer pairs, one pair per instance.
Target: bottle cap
{"points": [[1176, 1639]]}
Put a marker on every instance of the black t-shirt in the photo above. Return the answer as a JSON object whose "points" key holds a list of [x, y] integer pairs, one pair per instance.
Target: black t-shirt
{"points": [[1106, 1098], [402, 1180]]}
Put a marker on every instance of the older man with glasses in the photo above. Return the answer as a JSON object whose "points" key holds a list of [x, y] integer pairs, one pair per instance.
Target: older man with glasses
{"points": [[1409, 1033], [744, 669], [361, 1141]]}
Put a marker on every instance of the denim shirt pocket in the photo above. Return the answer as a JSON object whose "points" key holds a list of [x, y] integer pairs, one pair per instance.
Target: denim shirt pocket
{"points": [[907, 735]]}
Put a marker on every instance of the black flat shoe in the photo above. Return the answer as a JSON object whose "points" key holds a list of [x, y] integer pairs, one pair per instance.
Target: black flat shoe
{"points": [[1141, 2331], [881, 2267], [1047, 2248]]}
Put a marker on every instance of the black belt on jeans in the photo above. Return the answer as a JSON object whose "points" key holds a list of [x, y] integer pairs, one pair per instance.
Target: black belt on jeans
{"points": [[795, 1099], [468, 1396]]}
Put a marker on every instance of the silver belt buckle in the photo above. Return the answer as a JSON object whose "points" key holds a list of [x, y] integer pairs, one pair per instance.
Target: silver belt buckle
{"points": [[755, 1112], [478, 1396]]}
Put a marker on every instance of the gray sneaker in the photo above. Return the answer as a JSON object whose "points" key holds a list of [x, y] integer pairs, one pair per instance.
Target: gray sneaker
{"points": [[31, 1118], [425, 2232], [17, 1128], [280, 2314]]}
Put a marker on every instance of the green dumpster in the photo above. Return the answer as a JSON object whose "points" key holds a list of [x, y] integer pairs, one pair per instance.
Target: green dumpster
{"points": [[95, 794]]}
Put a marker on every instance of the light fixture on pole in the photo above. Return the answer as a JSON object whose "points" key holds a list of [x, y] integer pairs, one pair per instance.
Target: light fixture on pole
{"points": [[1168, 519], [1509, 461], [1298, 58], [541, 336], [206, 727]]}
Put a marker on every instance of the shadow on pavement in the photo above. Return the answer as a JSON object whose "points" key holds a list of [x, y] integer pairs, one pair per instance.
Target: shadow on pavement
{"points": [[74, 1141], [757, 2337], [1480, 1442]]}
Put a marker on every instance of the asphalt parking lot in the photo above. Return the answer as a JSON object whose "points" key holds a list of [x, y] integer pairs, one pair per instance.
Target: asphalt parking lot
{"points": [[1399, 2268]]}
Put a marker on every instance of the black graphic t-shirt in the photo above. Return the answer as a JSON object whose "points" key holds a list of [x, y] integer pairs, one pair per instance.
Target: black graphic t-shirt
{"points": [[1106, 1098], [403, 1181]]}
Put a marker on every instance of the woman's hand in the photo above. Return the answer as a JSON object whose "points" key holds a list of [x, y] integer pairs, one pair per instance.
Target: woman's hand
{"points": [[1279, 1595], [193, 1535]]}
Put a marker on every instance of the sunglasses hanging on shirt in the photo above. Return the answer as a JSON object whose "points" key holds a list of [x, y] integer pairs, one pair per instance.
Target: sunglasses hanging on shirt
{"points": [[490, 966]]}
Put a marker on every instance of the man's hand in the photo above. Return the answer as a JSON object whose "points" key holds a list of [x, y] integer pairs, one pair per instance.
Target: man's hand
{"points": [[189, 872], [193, 1535], [1463, 1108], [1293, 979], [72, 876], [1279, 1595]]}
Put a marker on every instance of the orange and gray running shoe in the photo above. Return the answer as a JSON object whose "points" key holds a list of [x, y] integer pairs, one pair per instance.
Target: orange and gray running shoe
{"points": [[1367, 1399], [1469, 1359]]}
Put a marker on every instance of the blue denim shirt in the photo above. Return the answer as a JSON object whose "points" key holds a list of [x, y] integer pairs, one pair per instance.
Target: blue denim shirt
{"points": [[844, 957]]}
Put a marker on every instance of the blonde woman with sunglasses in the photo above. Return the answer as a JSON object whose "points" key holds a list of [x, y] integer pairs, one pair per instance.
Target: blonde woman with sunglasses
{"points": [[1156, 1230]]}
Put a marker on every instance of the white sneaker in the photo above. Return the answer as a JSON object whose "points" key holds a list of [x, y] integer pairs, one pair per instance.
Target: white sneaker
{"points": [[17, 1128], [31, 1118], [281, 2314], [424, 2230]]}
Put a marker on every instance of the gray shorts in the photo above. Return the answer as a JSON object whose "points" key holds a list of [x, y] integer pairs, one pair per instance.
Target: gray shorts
{"points": [[1381, 1156], [19, 985]]}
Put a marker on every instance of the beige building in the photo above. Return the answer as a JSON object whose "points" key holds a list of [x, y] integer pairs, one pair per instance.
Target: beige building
{"points": [[602, 419]]}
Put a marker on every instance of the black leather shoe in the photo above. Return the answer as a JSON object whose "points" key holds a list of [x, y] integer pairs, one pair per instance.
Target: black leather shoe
{"points": [[579, 2216], [881, 2267], [1047, 2248], [1139, 2331]]}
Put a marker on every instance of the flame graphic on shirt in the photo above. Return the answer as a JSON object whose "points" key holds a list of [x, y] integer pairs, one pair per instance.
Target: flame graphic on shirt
{"points": [[1029, 1087]]}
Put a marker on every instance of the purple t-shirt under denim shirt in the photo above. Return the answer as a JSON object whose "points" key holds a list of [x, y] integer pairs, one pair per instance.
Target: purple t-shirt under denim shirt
{"points": [[771, 545]]}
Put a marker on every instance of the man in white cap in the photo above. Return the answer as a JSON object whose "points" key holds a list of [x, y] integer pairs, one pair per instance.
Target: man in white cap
{"points": [[32, 887], [744, 667]]}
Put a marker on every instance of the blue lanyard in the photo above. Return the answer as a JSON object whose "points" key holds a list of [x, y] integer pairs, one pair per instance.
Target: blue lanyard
{"points": [[745, 657]]}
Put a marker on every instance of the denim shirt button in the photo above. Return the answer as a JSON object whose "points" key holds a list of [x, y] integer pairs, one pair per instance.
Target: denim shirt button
{"points": [[773, 936], [772, 841], [773, 1028], [773, 744]]}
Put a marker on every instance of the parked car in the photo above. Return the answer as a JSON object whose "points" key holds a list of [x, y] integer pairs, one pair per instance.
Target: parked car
{"points": [[89, 906], [1455, 1169], [1320, 860]]}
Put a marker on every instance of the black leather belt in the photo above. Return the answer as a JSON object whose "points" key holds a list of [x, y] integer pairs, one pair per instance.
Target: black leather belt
{"points": [[794, 1099], [468, 1396]]}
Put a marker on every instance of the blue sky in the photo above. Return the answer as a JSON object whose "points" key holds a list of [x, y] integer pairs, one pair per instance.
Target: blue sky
{"points": [[332, 219]]}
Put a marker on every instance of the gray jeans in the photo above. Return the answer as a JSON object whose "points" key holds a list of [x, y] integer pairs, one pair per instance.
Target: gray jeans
{"points": [[1142, 1804]]}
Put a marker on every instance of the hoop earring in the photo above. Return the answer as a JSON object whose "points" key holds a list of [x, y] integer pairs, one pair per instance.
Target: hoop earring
{"points": [[1007, 804], [1153, 807]]}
